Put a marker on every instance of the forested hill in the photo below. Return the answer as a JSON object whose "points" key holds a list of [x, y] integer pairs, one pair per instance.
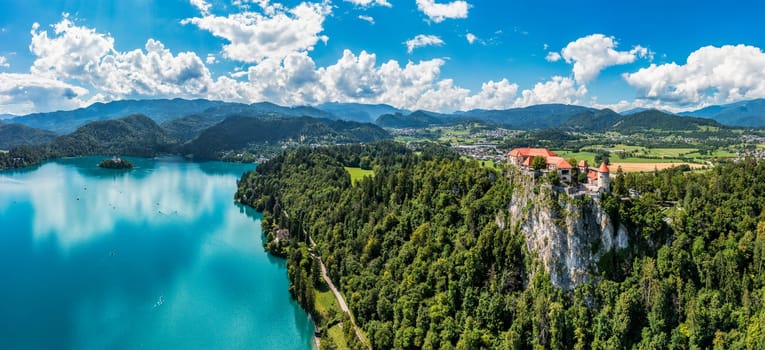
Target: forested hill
{"points": [[241, 132], [135, 135], [14, 135], [417, 251]]}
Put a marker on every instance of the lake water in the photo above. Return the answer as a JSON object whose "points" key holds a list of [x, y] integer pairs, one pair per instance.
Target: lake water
{"points": [[158, 257]]}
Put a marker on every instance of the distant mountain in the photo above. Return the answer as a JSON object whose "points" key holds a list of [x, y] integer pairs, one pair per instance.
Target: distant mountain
{"points": [[299, 111], [593, 120], [14, 135], [418, 119], [527, 118], [656, 120], [745, 113], [359, 112], [64, 122], [239, 133], [134, 135], [641, 109]]}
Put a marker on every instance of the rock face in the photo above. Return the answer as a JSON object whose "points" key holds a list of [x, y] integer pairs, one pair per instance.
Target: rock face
{"points": [[568, 235]]}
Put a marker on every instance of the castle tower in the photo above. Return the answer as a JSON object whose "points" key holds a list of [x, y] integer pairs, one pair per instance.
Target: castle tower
{"points": [[604, 180]]}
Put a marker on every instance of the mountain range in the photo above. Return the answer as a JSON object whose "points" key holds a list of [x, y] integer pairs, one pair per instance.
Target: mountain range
{"points": [[745, 113], [203, 113]]}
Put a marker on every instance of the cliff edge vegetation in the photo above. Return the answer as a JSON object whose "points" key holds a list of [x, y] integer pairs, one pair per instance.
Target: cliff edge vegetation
{"points": [[439, 252]]}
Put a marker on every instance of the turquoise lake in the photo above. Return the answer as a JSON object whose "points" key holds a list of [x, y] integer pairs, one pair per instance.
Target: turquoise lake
{"points": [[158, 257]]}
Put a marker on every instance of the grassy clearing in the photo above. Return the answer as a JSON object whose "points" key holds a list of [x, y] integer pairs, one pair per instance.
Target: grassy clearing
{"points": [[336, 336], [326, 305], [357, 174], [588, 156], [324, 302]]}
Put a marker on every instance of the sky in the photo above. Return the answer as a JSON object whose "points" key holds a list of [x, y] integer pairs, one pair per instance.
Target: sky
{"points": [[436, 55]]}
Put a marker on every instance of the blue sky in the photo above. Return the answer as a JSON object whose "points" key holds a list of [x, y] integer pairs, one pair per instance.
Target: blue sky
{"points": [[414, 54]]}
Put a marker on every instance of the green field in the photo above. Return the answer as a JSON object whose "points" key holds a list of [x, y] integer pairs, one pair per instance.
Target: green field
{"points": [[645, 155], [335, 334], [357, 173], [326, 305], [324, 302], [588, 156]]}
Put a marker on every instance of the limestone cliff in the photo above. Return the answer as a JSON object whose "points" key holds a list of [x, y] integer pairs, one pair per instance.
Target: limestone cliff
{"points": [[569, 235]]}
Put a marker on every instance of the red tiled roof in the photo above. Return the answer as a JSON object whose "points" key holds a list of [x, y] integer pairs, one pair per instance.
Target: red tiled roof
{"points": [[532, 152], [583, 164], [603, 168], [592, 175], [559, 162], [527, 162]]}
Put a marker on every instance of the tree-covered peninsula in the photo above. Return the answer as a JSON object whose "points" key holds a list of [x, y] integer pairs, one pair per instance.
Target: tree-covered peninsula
{"points": [[427, 257]]}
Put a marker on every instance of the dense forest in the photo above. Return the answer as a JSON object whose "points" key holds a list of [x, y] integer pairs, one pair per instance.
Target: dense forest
{"points": [[417, 252]]}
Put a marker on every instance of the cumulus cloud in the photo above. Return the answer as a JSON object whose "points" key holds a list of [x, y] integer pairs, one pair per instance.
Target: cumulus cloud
{"points": [[4, 62], [81, 54], [369, 19], [556, 90], [552, 56], [422, 40], [493, 95], [710, 75], [274, 33], [368, 3], [84, 55], [593, 53], [439, 12], [75, 65], [27, 93], [202, 5], [296, 80]]}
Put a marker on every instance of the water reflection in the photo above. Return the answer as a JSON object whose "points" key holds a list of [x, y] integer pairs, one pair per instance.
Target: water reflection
{"points": [[86, 253]]}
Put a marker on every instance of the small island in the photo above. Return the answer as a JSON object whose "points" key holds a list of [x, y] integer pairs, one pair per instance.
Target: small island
{"points": [[116, 163]]}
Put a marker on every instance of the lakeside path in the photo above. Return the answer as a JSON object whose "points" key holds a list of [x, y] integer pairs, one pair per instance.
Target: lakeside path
{"points": [[338, 296]]}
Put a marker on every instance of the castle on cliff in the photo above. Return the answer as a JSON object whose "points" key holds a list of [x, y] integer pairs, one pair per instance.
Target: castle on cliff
{"points": [[598, 179]]}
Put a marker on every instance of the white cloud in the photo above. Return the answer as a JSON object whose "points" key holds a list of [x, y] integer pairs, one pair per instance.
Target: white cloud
{"points": [[368, 3], [84, 55], [211, 59], [422, 40], [276, 33], [4, 62], [593, 53], [493, 95], [552, 56], [556, 90], [358, 78], [439, 12], [471, 38], [76, 65], [369, 19], [710, 75], [202, 5], [27, 93]]}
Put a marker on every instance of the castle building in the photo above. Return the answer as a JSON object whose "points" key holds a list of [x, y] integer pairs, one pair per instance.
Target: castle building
{"points": [[521, 158], [598, 179], [604, 177]]}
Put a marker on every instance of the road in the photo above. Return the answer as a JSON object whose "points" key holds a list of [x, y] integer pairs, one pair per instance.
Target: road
{"points": [[338, 296]]}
